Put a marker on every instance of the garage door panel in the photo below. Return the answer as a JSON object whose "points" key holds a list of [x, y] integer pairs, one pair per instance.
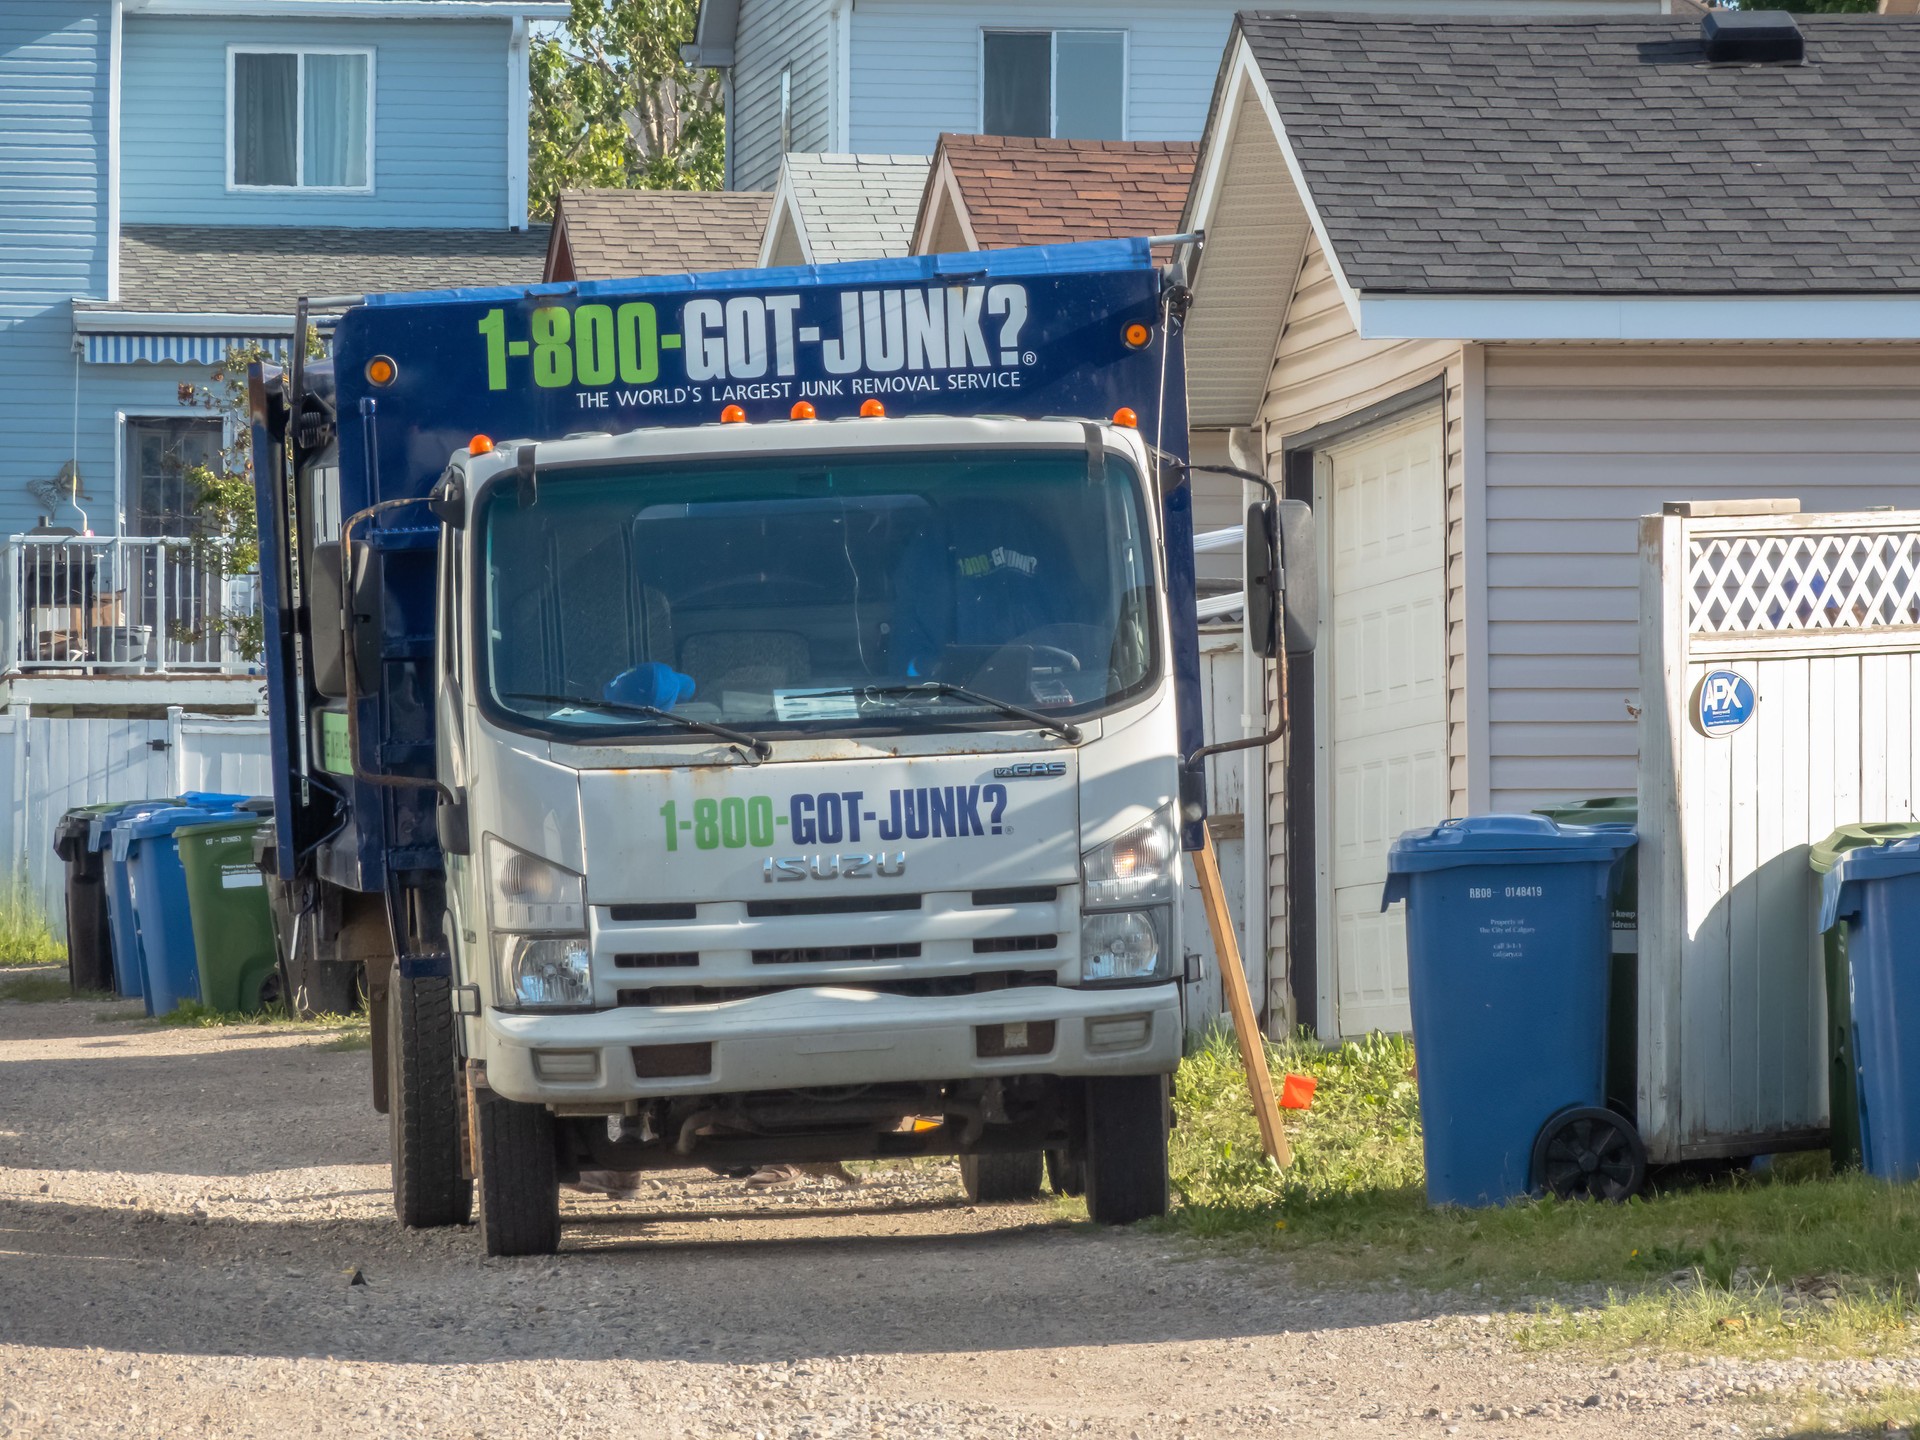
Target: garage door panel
{"points": [[1386, 768], [1380, 791]]}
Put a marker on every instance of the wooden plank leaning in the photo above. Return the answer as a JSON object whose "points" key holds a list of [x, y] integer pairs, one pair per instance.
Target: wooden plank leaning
{"points": [[1233, 982]]}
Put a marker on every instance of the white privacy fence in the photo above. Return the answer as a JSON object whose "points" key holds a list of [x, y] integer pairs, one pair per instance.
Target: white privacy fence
{"points": [[1780, 687], [49, 766]]}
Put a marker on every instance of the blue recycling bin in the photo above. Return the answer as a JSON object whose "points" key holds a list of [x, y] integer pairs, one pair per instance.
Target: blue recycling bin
{"points": [[121, 929], [1508, 944], [145, 849], [1876, 890]]}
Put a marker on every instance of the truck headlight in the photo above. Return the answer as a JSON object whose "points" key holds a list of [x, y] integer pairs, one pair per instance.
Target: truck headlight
{"points": [[1118, 945], [1137, 868], [539, 918], [544, 970]]}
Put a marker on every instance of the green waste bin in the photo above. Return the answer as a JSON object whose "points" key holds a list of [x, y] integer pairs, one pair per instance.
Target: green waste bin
{"points": [[1843, 1083], [1623, 989], [227, 903]]}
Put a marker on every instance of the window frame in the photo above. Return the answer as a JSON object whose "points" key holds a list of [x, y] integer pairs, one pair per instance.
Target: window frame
{"points": [[126, 473], [1053, 34], [301, 52], [786, 108]]}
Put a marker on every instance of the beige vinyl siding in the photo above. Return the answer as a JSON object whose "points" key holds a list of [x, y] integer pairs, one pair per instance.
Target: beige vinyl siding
{"points": [[1322, 370], [1580, 441], [772, 35]]}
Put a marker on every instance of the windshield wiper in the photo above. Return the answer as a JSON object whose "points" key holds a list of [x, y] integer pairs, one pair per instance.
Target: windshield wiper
{"points": [[760, 748], [940, 689]]}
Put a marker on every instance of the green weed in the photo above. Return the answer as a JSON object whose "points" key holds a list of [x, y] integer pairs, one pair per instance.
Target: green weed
{"points": [[26, 936]]}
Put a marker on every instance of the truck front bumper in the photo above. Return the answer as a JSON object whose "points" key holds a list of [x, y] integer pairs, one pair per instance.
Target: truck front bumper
{"points": [[821, 1037]]}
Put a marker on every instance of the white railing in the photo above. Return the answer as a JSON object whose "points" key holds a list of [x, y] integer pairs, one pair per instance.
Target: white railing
{"points": [[119, 605]]}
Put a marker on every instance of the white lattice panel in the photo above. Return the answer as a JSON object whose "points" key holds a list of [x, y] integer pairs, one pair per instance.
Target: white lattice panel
{"points": [[1861, 580]]}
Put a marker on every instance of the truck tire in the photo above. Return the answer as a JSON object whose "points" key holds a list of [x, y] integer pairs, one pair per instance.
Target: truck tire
{"points": [[999, 1177], [1126, 1169], [1066, 1172], [519, 1180], [423, 1105], [319, 986]]}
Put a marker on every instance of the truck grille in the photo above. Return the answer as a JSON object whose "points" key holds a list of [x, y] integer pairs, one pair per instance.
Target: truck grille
{"points": [[829, 954], [928, 987], [1010, 944], [837, 905]]}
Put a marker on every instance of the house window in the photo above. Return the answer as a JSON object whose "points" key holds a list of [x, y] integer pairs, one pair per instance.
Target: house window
{"points": [[161, 498], [1069, 84], [786, 109], [300, 119]]}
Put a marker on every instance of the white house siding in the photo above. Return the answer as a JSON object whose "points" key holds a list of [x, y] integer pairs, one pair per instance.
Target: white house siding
{"points": [[433, 80], [916, 66], [54, 63], [1323, 371], [1582, 440], [772, 35]]}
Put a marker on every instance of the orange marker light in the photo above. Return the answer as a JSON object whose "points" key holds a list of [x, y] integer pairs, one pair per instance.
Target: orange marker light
{"points": [[480, 445], [803, 410], [873, 409], [1126, 419], [1136, 335], [381, 370], [733, 415]]}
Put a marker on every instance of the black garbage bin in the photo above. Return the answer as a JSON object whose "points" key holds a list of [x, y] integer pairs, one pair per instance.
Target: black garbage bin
{"points": [[89, 942]]}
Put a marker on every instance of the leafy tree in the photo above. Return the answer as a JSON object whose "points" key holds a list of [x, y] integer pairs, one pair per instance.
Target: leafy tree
{"points": [[614, 105], [226, 526]]}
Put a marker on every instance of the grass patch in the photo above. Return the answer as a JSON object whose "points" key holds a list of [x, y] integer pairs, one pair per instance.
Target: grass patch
{"points": [[192, 1015], [358, 1038], [1792, 1259], [26, 936], [33, 989], [1876, 1412]]}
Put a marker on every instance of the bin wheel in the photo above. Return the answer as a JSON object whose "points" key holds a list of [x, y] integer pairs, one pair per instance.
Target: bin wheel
{"points": [[1589, 1153], [514, 1145], [1066, 1172], [423, 1104], [1126, 1166], [1000, 1177]]}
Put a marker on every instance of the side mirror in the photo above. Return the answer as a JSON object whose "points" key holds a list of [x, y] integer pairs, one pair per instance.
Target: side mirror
{"points": [[1283, 578], [326, 637], [363, 620], [1300, 572]]}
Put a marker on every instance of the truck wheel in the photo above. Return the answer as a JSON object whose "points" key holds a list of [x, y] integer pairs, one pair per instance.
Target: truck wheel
{"points": [[320, 987], [996, 1178], [423, 1104], [519, 1181], [1126, 1169]]}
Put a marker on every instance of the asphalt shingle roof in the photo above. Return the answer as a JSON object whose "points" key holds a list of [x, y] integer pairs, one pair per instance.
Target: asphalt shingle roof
{"points": [[1044, 192], [616, 233], [1602, 155], [857, 207], [259, 270]]}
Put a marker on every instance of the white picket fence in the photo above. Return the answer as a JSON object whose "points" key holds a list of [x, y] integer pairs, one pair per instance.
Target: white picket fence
{"points": [[50, 765]]}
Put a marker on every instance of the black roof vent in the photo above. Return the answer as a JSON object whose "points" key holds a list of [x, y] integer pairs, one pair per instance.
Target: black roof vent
{"points": [[1753, 37]]}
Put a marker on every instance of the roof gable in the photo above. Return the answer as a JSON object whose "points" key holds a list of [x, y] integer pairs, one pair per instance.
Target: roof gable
{"points": [[609, 234], [847, 207], [1017, 191]]}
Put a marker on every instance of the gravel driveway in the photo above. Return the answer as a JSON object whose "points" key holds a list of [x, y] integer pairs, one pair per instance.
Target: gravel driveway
{"points": [[196, 1240]]}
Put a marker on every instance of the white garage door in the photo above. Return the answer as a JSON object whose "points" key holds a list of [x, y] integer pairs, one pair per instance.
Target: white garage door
{"points": [[1382, 720]]}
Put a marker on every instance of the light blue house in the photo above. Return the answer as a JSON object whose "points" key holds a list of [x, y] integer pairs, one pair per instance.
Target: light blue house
{"points": [[173, 173], [886, 77]]}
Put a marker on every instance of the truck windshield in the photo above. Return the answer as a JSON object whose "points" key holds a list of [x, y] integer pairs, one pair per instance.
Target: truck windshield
{"points": [[837, 594]]}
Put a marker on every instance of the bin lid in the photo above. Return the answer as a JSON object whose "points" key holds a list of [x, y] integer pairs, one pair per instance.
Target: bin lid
{"points": [[211, 799], [165, 822], [1823, 855], [1598, 810], [100, 831], [1872, 859], [244, 822], [1505, 840]]}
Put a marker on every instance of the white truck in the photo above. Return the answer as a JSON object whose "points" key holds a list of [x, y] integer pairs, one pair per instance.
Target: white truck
{"points": [[718, 742]]}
